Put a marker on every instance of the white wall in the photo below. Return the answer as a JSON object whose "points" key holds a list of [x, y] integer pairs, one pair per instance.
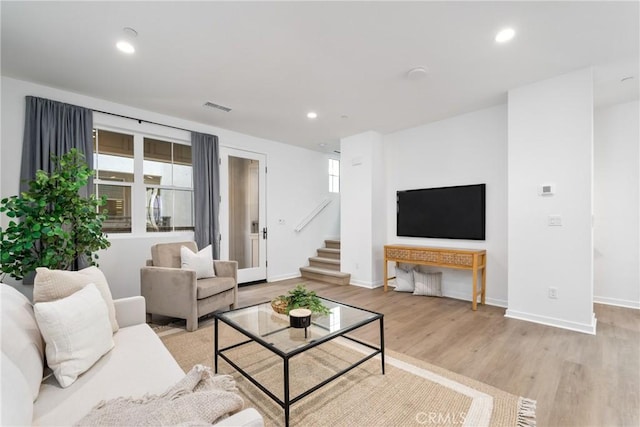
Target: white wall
{"points": [[296, 182], [550, 139], [617, 205], [466, 149], [362, 214]]}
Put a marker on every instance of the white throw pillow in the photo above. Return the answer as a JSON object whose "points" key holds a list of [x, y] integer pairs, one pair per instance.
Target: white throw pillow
{"points": [[76, 331], [50, 285], [404, 280], [429, 284], [202, 262]]}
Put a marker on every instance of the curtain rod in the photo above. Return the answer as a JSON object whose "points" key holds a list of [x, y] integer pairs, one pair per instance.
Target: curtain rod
{"points": [[141, 120]]}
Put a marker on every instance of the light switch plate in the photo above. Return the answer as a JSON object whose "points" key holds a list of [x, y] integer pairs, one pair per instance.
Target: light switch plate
{"points": [[555, 220]]}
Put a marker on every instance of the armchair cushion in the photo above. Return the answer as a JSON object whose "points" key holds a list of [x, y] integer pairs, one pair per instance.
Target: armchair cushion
{"points": [[214, 286]]}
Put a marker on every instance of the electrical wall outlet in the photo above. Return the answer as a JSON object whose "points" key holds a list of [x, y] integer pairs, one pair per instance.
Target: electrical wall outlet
{"points": [[553, 293]]}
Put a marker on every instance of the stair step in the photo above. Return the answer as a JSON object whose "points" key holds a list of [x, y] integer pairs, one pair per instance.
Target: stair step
{"points": [[329, 253], [324, 275], [332, 243], [328, 263]]}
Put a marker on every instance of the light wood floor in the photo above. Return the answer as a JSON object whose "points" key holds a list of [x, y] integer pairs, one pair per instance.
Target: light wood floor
{"points": [[577, 379]]}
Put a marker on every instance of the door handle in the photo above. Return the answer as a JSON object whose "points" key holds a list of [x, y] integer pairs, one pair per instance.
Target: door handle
{"points": [[264, 233]]}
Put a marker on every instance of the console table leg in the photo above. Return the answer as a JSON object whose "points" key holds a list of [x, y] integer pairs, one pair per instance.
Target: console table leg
{"points": [[484, 282], [384, 276], [474, 301]]}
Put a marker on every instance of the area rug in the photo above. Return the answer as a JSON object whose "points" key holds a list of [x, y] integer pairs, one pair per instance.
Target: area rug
{"points": [[411, 393]]}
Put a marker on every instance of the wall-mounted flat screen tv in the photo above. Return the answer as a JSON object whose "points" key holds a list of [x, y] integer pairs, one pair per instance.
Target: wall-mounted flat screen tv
{"points": [[442, 213]]}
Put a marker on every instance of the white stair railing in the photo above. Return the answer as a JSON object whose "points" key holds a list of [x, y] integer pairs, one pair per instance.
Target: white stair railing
{"points": [[312, 215]]}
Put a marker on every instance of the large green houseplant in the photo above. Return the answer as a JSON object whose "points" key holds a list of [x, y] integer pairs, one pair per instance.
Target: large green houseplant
{"points": [[51, 224]]}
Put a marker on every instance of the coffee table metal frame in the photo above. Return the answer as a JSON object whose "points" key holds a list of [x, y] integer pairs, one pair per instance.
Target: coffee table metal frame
{"points": [[286, 356]]}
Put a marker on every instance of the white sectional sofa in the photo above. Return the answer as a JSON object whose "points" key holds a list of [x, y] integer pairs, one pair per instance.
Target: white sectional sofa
{"points": [[138, 364]]}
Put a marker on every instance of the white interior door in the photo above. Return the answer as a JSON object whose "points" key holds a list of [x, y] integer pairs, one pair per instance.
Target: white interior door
{"points": [[243, 224]]}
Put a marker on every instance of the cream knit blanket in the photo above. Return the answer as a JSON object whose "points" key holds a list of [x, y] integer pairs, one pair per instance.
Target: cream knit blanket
{"points": [[200, 398]]}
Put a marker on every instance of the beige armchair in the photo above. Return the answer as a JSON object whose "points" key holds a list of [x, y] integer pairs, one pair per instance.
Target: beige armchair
{"points": [[174, 292]]}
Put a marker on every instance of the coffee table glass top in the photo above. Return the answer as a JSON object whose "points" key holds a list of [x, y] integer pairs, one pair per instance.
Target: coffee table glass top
{"points": [[273, 328]]}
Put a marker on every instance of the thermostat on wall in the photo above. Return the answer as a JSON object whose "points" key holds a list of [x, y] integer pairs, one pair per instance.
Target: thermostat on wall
{"points": [[547, 189]]}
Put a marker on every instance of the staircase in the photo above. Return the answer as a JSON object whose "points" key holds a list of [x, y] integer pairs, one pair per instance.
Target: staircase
{"points": [[325, 267]]}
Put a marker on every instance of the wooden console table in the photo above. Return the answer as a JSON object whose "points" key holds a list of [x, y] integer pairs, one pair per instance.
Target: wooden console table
{"points": [[462, 259]]}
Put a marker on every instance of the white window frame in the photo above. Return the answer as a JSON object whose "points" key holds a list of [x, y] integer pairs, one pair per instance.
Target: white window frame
{"points": [[140, 130], [331, 189]]}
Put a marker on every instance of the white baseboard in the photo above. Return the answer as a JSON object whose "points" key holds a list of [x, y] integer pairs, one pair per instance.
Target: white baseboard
{"points": [[552, 321], [363, 284], [464, 297], [461, 295], [283, 277], [617, 302]]}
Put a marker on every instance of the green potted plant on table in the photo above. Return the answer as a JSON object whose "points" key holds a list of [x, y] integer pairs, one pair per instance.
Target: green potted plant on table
{"points": [[299, 297], [51, 224]]}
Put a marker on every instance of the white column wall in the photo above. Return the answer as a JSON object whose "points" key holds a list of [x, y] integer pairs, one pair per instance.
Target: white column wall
{"points": [[297, 180], [617, 205], [362, 216], [551, 141]]}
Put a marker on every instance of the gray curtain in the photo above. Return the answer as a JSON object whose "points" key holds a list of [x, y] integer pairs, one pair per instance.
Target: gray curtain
{"points": [[206, 189], [52, 127]]}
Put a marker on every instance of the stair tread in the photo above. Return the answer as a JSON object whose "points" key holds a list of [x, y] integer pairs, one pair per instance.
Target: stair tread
{"points": [[325, 271], [332, 240], [325, 260], [330, 250]]}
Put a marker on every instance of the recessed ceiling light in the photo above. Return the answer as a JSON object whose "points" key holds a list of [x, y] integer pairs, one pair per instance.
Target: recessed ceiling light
{"points": [[312, 115], [416, 73], [323, 144], [505, 35], [125, 46]]}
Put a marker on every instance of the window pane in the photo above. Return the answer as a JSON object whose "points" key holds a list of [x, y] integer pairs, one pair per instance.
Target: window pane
{"points": [[182, 170], [182, 176], [334, 176], [334, 167], [334, 184], [154, 149], [113, 155], [169, 210], [182, 154], [157, 162], [118, 208], [183, 210]]}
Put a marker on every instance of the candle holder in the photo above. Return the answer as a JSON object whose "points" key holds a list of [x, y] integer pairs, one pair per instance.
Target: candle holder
{"points": [[300, 318]]}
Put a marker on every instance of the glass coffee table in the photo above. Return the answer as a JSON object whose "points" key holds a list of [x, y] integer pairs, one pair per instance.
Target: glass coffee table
{"points": [[261, 325]]}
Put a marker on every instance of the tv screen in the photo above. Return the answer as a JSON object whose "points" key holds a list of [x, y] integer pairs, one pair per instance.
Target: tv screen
{"points": [[443, 213]]}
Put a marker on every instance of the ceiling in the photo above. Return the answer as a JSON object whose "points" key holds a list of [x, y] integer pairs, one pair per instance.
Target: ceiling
{"points": [[272, 62]]}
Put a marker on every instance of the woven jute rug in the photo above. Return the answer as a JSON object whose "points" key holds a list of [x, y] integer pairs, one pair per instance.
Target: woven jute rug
{"points": [[411, 393]]}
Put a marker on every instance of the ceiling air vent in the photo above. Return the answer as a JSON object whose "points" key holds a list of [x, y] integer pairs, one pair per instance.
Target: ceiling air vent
{"points": [[219, 107]]}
